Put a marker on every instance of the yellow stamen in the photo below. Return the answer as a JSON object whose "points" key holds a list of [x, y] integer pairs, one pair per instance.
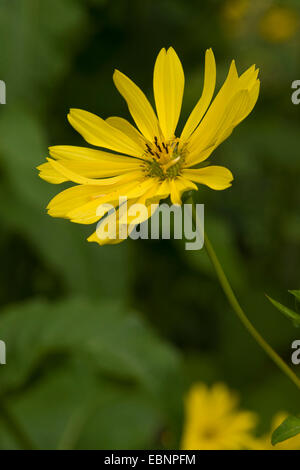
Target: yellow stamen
{"points": [[171, 163]]}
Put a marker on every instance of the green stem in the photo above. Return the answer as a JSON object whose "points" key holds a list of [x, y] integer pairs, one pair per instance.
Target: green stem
{"points": [[228, 291], [16, 430]]}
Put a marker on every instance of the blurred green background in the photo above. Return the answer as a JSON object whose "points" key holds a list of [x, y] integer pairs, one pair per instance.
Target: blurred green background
{"points": [[102, 343]]}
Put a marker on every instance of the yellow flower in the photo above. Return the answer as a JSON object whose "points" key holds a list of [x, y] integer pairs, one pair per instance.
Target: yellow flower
{"points": [[279, 24], [235, 10], [264, 443], [213, 422], [149, 162]]}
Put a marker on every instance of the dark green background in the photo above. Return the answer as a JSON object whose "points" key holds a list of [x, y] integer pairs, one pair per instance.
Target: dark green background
{"points": [[102, 343]]}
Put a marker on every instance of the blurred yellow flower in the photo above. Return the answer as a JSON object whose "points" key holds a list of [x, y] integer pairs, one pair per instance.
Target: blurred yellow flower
{"points": [[235, 10], [149, 162], [213, 421], [279, 24], [264, 443]]}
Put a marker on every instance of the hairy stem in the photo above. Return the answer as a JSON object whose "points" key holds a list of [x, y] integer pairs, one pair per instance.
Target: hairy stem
{"points": [[231, 297]]}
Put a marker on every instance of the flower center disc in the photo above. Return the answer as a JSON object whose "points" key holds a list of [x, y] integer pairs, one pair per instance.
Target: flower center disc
{"points": [[166, 159]]}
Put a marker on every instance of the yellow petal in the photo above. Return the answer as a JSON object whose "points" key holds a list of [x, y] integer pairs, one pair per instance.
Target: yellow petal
{"points": [[174, 192], [49, 174], [207, 94], [61, 167], [215, 177], [138, 105], [253, 94], [184, 184], [168, 84], [112, 235], [231, 114], [70, 152], [178, 186], [198, 156], [124, 126], [248, 78], [98, 132], [87, 213], [107, 241], [216, 119], [86, 162], [207, 125], [162, 191], [149, 198], [89, 168], [66, 200], [240, 105]]}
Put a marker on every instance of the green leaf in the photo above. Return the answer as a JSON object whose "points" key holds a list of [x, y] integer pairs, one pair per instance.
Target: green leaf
{"points": [[289, 428], [296, 294], [291, 314], [95, 372], [31, 35]]}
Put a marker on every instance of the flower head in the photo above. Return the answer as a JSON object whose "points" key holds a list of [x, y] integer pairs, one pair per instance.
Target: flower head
{"points": [[279, 24], [235, 10], [213, 421], [151, 161]]}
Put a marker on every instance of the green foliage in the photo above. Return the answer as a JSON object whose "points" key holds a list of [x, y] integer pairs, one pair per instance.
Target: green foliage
{"points": [[82, 371], [289, 428], [291, 314], [94, 372], [39, 38], [296, 294]]}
